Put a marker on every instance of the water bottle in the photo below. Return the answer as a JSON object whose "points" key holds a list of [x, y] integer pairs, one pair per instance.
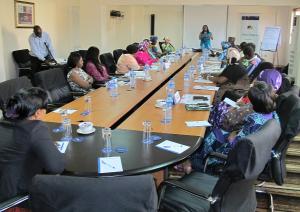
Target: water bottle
{"points": [[132, 79], [186, 79], [67, 136], [147, 76], [106, 135], [113, 87], [168, 109], [88, 104], [171, 88], [192, 70], [147, 132]]}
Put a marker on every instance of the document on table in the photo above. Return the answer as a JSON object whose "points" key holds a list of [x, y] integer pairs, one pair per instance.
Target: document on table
{"points": [[155, 67], [209, 88], [189, 99], [200, 80], [60, 110], [172, 147], [197, 124], [109, 164], [62, 146], [231, 103], [138, 74]]}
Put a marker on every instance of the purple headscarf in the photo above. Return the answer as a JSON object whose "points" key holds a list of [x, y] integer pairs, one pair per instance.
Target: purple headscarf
{"points": [[271, 77]]}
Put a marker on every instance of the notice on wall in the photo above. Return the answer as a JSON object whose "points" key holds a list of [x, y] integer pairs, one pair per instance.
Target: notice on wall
{"points": [[249, 28], [271, 39]]}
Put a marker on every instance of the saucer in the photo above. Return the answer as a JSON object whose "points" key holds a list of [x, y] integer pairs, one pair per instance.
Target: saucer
{"points": [[86, 133]]}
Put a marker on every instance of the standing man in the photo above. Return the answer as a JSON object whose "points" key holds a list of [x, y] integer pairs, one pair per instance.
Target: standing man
{"points": [[41, 49]]}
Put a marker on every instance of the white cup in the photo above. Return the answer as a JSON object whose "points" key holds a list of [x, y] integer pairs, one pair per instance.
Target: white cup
{"points": [[86, 127]]}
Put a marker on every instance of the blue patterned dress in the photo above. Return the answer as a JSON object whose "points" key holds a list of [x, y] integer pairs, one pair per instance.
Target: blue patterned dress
{"points": [[217, 139]]}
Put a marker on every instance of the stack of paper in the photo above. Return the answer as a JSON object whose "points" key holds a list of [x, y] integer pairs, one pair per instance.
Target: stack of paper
{"points": [[62, 146], [197, 124], [109, 164], [209, 88], [173, 147]]}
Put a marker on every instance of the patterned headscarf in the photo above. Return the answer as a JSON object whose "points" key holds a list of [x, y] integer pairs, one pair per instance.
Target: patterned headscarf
{"points": [[143, 45], [271, 77]]}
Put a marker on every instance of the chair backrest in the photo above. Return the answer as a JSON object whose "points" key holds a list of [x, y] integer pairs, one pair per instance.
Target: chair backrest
{"points": [[117, 54], [64, 193], [108, 60], [22, 58], [235, 187], [55, 83], [10, 87]]}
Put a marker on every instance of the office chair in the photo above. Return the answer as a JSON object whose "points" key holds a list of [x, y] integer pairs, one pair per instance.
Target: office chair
{"points": [[10, 87], [108, 60], [234, 190], [22, 58], [112, 194], [117, 54], [55, 83]]}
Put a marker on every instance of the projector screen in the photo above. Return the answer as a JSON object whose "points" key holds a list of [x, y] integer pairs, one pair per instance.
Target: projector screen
{"points": [[197, 16]]}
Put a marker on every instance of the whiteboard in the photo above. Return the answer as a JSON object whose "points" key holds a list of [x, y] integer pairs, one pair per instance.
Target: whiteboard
{"points": [[271, 39], [197, 16]]}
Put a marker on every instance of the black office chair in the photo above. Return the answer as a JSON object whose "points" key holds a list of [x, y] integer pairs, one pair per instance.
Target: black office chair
{"points": [[10, 87], [112, 194], [22, 58], [55, 83], [234, 189], [117, 54], [108, 60]]}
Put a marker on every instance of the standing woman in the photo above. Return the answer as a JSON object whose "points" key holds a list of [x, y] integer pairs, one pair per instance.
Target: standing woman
{"points": [[205, 37]]}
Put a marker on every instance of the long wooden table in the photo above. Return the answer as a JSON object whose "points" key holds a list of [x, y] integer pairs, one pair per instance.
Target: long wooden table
{"points": [[148, 111], [108, 111]]}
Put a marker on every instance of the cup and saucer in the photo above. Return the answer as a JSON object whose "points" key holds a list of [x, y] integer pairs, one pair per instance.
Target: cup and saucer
{"points": [[160, 103], [86, 128]]}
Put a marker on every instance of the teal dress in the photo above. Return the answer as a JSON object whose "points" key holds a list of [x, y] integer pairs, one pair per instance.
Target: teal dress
{"points": [[205, 40]]}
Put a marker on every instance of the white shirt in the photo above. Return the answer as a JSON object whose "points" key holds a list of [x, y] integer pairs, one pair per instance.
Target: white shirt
{"points": [[38, 46]]}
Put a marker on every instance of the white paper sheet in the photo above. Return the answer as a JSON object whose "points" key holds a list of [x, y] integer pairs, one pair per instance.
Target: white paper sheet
{"points": [[62, 146], [209, 88], [197, 124], [69, 111], [200, 80], [109, 164], [172, 147], [231, 103]]}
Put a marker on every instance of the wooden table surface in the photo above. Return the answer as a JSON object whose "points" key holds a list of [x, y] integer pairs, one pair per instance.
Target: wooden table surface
{"points": [[108, 111], [148, 111]]}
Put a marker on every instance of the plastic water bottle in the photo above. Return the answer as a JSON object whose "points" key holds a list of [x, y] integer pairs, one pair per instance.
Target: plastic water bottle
{"points": [[169, 107], [132, 79], [192, 70], [171, 88], [113, 87], [186, 79]]}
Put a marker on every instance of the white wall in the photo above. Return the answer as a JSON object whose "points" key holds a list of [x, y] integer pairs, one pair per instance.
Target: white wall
{"points": [[78, 24]]}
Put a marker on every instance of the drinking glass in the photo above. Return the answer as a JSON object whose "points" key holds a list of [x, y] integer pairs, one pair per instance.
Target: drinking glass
{"points": [[106, 135]]}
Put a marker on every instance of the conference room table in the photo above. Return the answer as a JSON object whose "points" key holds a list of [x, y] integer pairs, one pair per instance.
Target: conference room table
{"points": [[109, 111], [127, 112], [148, 111]]}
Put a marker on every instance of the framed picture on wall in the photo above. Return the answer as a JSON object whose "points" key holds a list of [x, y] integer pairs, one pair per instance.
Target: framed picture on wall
{"points": [[24, 14]]}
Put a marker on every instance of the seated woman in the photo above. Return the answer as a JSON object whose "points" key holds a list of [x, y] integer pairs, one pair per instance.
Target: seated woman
{"points": [[262, 98], [127, 62], [167, 47], [153, 48], [234, 77], [142, 56], [262, 66], [78, 79], [26, 146], [254, 60], [93, 65]]}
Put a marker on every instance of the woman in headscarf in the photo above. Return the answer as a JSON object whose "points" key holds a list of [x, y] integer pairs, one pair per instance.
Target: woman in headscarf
{"points": [[142, 56]]}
